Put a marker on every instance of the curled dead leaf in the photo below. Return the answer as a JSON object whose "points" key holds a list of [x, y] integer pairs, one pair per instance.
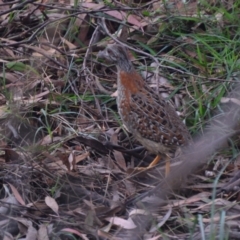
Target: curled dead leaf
{"points": [[51, 202]]}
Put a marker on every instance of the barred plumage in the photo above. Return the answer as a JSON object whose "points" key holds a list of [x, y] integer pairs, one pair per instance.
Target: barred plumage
{"points": [[151, 119]]}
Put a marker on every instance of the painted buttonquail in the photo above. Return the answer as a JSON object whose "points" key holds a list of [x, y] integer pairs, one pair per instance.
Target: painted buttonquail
{"points": [[150, 118]]}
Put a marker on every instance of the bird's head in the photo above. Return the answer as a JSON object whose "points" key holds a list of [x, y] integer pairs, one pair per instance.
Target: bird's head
{"points": [[117, 54]]}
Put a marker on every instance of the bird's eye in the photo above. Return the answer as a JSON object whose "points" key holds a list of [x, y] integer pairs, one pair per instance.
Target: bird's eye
{"points": [[109, 51]]}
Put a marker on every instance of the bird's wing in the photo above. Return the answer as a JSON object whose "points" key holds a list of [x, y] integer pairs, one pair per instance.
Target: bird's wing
{"points": [[154, 119]]}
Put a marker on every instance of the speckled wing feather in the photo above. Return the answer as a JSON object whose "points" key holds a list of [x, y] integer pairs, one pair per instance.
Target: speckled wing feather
{"points": [[156, 120]]}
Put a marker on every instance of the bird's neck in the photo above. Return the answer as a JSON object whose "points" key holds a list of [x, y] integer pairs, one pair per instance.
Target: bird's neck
{"points": [[125, 65], [130, 81]]}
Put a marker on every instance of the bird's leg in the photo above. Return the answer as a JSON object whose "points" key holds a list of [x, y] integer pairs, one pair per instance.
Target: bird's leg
{"points": [[167, 166], [155, 161], [152, 164]]}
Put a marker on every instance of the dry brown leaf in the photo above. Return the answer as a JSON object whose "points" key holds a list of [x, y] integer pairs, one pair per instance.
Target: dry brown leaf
{"points": [[187, 9], [16, 194], [218, 202], [7, 236], [59, 163], [40, 95], [3, 101], [118, 155], [105, 235], [82, 157], [31, 233], [2, 161], [70, 230], [130, 187], [192, 199], [3, 111], [58, 166], [155, 238], [92, 6], [3, 8], [69, 44], [107, 227], [83, 29], [10, 52], [52, 204], [42, 233], [49, 139], [123, 16], [227, 100], [162, 222], [218, 218], [39, 55], [28, 101], [9, 200], [127, 224], [46, 140], [71, 162], [115, 94], [40, 52], [192, 54], [26, 227], [3, 61], [9, 76], [138, 211]]}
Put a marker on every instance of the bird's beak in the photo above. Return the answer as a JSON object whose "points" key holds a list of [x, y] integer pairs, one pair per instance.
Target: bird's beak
{"points": [[101, 54]]}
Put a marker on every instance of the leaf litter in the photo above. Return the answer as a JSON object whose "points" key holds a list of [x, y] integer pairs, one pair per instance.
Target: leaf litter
{"points": [[67, 163]]}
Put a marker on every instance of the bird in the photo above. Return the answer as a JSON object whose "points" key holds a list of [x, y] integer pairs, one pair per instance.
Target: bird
{"points": [[148, 116]]}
